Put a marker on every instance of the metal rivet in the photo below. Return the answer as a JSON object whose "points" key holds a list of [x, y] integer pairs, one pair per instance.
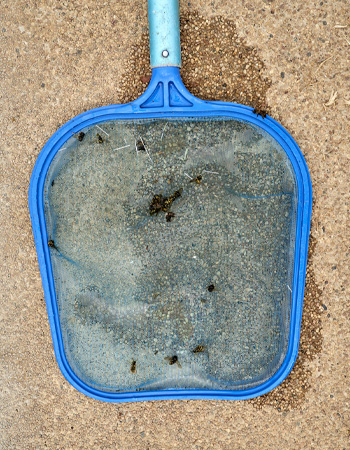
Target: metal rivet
{"points": [[165, 53]]}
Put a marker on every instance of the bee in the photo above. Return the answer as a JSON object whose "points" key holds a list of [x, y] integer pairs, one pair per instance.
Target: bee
{"points": [[211, 288], [80, 136], [51, 244], [260, 112], [169, 216], [173, 360], [167, 202], [53, 182], [160, 203], [133, 366], [140, 147], [197, 179], [199, 349], [99, 138], [177, 194], [156, 204]]}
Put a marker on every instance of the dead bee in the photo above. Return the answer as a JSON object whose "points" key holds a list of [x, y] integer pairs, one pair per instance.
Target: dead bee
{"points": [[260, 112], [211, 288], [197, 180], [133, 366], [156, 204], [53, 182], [99, 138], [167, 202], [169, 216], [172, 359], [199, 349], [51, 244], [80, 136], [160, 203], [177, 193], [140, 147]]}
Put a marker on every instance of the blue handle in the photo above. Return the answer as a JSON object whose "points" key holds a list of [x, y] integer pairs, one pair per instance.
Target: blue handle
{"points": [[164, 33]]}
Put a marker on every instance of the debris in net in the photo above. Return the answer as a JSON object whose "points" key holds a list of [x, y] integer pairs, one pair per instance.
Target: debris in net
{"points": [[120, 148], [99, 138], [160, 203], [51, 244], [260, 112], [133, 366], [80, 136], [209, 171], [197, 179], [199, 349], [103, 131], [169, 216], [187, 175], [211, 288], [53, 182]]}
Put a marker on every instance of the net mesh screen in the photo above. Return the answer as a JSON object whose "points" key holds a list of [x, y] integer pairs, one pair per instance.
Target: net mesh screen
{"points": [[172, 247]]}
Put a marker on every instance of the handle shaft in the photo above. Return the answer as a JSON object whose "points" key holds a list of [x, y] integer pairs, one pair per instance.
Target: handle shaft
{"points": [[164, 33]]}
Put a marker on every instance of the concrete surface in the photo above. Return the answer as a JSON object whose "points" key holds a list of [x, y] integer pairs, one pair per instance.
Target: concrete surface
{"points": [[61, 58]]}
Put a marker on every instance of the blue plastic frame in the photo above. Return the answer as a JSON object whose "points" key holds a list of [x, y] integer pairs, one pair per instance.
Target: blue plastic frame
{"points": [[167, 97]]}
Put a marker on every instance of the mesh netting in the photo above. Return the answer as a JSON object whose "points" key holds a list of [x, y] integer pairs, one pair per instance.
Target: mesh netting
{"points": [[172, 247]]}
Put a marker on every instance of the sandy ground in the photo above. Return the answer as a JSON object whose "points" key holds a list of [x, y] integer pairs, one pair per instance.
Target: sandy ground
{"points": [[61, 58]]}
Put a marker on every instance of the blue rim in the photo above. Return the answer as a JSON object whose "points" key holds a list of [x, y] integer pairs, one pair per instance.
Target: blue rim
{"points": [[167, 97]]}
